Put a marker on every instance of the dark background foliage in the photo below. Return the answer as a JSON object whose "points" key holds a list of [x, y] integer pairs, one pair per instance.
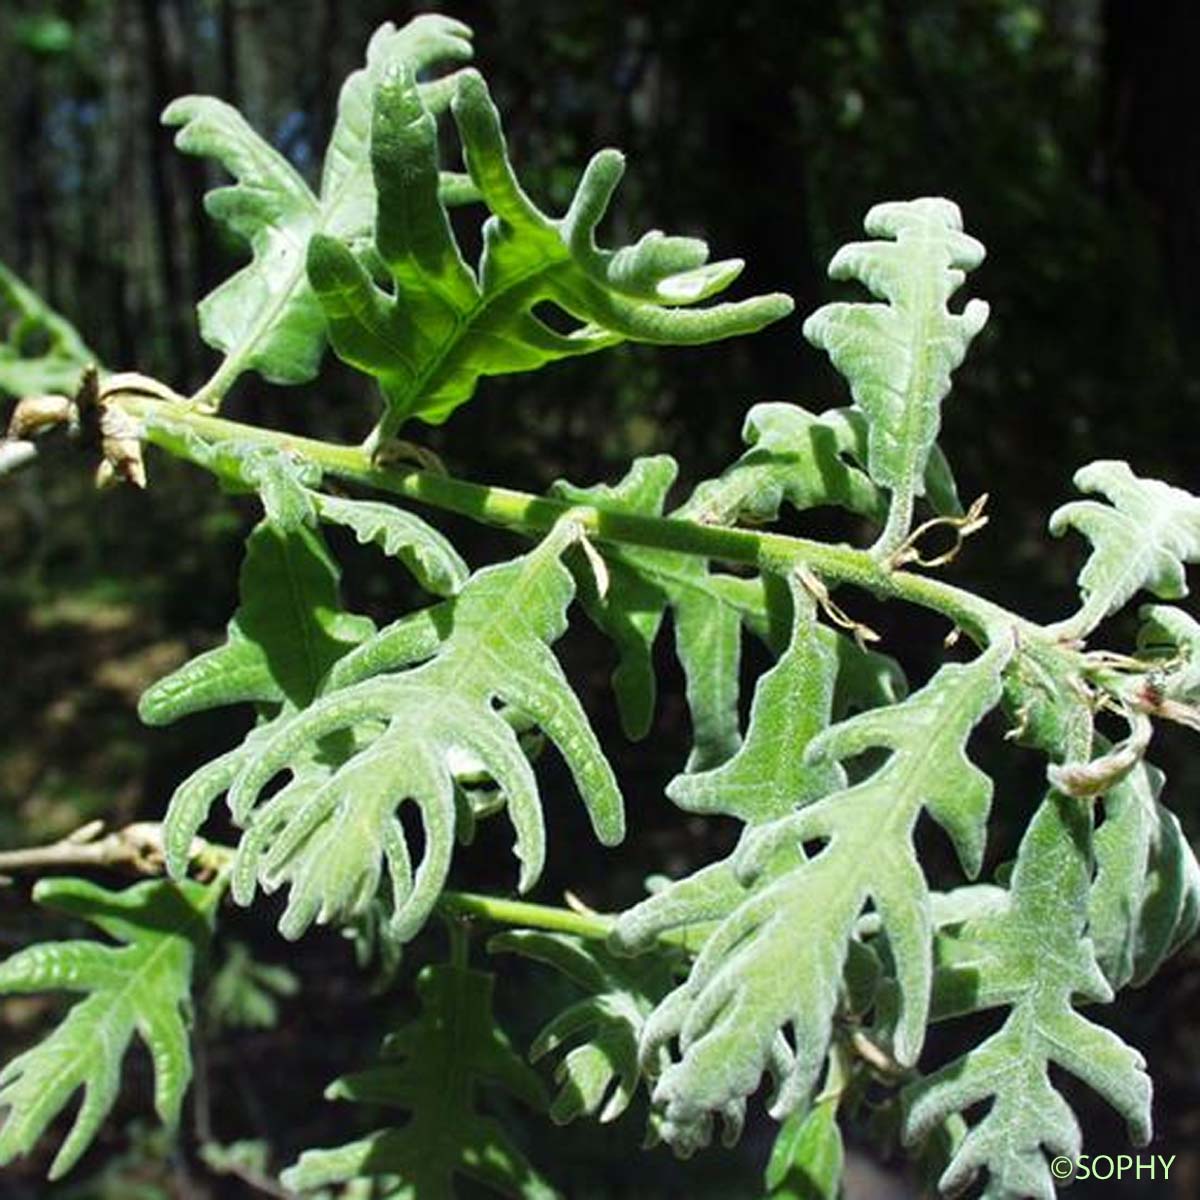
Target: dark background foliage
{"points": [[1065, 129]]}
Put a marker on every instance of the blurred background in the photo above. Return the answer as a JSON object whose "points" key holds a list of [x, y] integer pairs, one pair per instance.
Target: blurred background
{"points": [[1065, 129]]}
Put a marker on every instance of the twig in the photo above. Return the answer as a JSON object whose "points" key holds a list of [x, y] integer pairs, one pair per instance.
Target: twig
{"points": [[138, 846]]}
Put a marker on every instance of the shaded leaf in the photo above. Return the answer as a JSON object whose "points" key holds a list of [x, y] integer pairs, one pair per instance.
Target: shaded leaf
{"points": [[41, 351], [433, 1069], [141, 986], [807, 1157], [1145, 900], [598, 1075]]}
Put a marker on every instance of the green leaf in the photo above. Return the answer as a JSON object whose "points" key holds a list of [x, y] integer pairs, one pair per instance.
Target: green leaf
{"points": [[769, 776], [1143, 540], [776, 961], [405, 735], [244, 992], [1034, 958], [898, 356], [444, 326], [807, 1158], [434, 562], [287, 487], [42, 351], [819, 674], [286, 634], [1145, 900], [795, 456], [141, 986], [266, 317], [642, 585], [433, 1069], [600, 1074], [1173, 636], [808, 461]]}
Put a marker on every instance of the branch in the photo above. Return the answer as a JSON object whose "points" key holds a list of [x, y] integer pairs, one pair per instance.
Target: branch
{"points": [[138, 847], [173, 427]]}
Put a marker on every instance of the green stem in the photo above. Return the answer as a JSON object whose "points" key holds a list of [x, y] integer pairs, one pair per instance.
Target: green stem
{"points": [[168, 425], [499, 911]]}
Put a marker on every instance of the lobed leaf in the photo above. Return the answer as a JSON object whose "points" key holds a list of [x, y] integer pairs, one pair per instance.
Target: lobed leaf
{"points": [[1172, 636], [1142, 539], [443, 326], [1144, 902], [599, 1074], [266, 317], [142, 986], [1033, 957], [286, 634], [776, 961], [898, 356], [433, 1069], [360, 751]]}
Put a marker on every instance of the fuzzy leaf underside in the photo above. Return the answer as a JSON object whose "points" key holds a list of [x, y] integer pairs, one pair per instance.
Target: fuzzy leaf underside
{"points": [[1142, 539], [776, 961], [1144, 902], [598, 1076], [444, 325], [428, 712], [1033, 957], [898, 356], [808, 461], [266, 317], [42, 351], [1172, 636], [141, 986], [432, 1069], [820, 674]]}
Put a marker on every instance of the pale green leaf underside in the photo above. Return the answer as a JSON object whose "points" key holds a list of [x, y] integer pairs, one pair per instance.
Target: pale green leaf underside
{"points": [[1144, 902], [1142, 539], [141, 986], [1033, 957], [1173, 636], [898, 356], [266, 317], [820, 673], [776, 961], [444, 325], [432, 1069], [430, 712]]}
